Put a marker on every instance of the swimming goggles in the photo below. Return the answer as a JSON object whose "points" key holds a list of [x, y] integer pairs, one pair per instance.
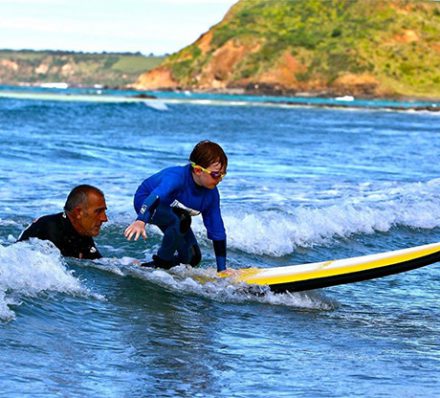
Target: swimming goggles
{"points": [[216, 175]]}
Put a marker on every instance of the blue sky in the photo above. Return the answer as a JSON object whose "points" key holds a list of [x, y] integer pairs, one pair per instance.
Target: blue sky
{"points": [[148, 26]]}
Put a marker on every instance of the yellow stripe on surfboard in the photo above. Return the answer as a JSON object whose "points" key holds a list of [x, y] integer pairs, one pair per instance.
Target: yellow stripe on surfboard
{"points": [[325, 269]]}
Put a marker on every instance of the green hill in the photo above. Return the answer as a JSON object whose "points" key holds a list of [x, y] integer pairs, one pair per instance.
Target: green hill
{"points": [[79, 69], [331, 47]]}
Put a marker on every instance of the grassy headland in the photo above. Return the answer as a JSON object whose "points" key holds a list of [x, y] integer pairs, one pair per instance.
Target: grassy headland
{"points": [[325, 47]]}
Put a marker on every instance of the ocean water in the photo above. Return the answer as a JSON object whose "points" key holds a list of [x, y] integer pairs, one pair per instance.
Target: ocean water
{"points": [[304, 184]]}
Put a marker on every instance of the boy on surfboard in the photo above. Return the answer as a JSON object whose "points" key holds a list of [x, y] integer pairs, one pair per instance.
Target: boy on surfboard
{"points": [[172, 196]]}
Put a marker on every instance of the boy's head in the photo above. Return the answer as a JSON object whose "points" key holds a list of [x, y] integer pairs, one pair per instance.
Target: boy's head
{"points": [[206, 153], [209, 163]]}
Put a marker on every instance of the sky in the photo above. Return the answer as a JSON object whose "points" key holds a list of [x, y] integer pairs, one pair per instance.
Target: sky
{"points": [[148, 26]]}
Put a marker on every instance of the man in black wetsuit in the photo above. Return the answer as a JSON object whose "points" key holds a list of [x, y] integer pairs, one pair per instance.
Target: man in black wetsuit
{"points": [[72, 231]]}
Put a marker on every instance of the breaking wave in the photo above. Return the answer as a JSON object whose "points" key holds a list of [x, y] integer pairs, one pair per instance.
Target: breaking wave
{"points": [[29, 269]]}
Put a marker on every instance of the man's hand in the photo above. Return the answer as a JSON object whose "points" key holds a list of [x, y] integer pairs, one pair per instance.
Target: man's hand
{"points": [[136, 229]]}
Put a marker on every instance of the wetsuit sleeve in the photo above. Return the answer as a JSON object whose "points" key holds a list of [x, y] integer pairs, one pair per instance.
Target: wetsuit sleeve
{"points": [[220, 254], [148, 208], [213, 221], [168, 182], [215, 228]]}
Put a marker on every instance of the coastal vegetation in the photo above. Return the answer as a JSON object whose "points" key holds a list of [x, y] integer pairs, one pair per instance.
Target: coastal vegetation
{"points": [[74, 68], [338, 47], [362, 48]]}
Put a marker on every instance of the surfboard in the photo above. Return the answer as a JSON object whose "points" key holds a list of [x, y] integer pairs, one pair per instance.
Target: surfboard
{"points": [[295, 278]]}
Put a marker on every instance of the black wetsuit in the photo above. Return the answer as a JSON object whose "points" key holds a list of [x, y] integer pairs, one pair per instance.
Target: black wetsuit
{"points": [[59, 230]]}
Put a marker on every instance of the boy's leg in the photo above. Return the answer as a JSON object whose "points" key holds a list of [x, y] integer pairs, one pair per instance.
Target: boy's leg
{"points": [[189, 251], [169, 223], [177, 236]]}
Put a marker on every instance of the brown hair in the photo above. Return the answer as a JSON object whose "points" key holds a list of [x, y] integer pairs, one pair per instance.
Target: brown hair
{"points": [[207, 152]]}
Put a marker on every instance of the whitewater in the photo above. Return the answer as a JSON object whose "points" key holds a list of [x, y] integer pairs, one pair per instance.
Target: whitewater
{"points": [[304, 184]]}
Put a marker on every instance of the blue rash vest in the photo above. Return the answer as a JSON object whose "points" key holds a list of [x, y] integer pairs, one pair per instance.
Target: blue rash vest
{"points": [[177, 183]]}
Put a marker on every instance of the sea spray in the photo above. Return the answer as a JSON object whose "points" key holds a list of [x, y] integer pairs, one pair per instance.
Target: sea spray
{"points": [[363, 211], [206, 283], [28, 269]]}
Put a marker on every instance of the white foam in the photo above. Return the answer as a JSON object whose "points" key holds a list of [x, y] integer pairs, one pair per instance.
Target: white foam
{"points": [[6, 223], [156, 104], [113, 264], [364, 209], [206, 283], [28, 269]]}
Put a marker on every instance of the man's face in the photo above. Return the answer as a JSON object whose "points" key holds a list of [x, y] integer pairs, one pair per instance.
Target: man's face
{"points": [[91, 216]]}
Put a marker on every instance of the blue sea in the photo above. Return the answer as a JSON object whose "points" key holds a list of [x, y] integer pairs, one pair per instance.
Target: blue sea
{"points": [[304, 184]]}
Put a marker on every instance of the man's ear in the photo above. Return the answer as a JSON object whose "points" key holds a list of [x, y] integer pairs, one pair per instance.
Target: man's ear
{"points": [[77, 212]]}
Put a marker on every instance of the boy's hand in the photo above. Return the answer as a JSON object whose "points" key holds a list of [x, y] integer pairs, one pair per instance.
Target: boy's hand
{"points": [[136, 229], [228, 272]]}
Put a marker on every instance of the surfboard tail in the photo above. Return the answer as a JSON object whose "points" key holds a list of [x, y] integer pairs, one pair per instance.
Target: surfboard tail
{"points": [[337, 272], [360, 276]]}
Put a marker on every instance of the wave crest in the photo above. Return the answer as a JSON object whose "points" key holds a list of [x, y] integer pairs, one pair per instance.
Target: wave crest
{"points": [[30, 268], [279, 232]]}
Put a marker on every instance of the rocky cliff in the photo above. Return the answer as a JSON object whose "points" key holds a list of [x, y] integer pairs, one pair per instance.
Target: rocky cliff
{"points": [[321, 47]]}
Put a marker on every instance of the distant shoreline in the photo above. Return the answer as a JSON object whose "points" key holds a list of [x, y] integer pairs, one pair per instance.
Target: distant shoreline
{"points": [[205, 97], [307, 94], [239, 91]]}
